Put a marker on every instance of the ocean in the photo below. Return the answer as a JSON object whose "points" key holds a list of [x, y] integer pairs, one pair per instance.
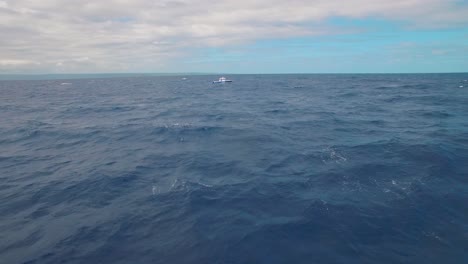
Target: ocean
{"points": [[318, 168]]}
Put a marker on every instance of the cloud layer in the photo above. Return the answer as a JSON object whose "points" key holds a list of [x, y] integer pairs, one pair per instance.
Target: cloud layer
{"points": [[148, 35]]}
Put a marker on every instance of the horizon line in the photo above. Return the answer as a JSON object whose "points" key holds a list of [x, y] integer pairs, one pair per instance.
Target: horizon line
{"points": [[11, 76]]}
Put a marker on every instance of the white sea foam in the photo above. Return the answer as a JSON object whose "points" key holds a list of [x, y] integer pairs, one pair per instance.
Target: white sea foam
{"points": [[331, 155], [205, 185]]}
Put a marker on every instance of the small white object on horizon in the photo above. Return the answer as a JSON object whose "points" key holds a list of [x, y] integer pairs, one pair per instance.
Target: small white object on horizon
{"points": [[222, 80]]}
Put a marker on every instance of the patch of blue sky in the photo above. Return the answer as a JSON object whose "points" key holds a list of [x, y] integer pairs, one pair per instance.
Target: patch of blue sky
{"points": [[374, 45]]}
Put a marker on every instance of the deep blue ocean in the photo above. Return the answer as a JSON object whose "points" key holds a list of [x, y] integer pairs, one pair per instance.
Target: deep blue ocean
{"points": [[267, 169]]}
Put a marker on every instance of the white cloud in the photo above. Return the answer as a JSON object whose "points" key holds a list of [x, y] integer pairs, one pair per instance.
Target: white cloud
{"points": [[124, 35], [16, 62]]}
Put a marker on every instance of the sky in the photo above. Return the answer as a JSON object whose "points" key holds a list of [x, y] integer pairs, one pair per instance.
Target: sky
{"points": [[233, 36]]}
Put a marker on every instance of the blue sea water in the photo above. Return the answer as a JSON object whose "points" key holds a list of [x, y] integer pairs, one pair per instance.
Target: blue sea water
{"points": [[267, 169]]}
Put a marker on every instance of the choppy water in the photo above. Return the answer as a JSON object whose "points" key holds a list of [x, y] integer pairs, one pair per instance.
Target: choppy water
{"points": [[268, 169]]}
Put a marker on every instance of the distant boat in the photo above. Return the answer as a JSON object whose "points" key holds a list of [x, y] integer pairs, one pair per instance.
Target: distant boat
{"points": [[222, 80]]}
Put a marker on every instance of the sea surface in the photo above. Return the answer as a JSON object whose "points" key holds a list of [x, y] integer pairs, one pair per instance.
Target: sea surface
{"points": [[267, 169]]}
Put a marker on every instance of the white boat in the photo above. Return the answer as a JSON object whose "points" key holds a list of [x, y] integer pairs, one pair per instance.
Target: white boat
{"points": [[222, 80]]}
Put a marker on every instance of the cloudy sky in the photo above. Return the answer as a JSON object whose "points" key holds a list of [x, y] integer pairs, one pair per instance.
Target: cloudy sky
{"points": [[235, 36]]}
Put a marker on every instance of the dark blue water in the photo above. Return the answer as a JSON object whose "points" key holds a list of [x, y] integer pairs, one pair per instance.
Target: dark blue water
{"points": [[268, 169]]}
